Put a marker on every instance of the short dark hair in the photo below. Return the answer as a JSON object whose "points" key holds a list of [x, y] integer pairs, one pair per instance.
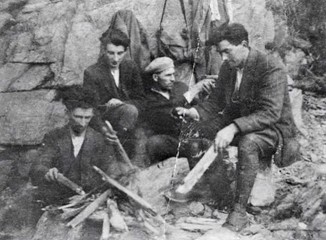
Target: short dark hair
{"points": [[234, 33], [76, 96], [116, 37]]}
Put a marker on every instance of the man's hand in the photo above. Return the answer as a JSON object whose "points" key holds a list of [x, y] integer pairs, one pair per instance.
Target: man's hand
{"points": [[224, 137], [205, 85], [109, 134], [114, 102], [52, 175], [187, 113]]}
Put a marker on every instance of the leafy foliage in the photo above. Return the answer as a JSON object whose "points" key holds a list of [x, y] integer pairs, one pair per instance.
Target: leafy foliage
{"points": [[305, 19]]}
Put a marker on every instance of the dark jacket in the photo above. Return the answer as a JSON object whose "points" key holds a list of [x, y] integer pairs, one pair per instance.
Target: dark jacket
{"points": [[263, 97], [98, 78], [158, 115], [57, 151]]}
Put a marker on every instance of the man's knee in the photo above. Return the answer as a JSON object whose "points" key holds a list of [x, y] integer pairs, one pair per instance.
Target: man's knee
{"points": [[249, 142], [254, 143], [160, 147], [130, 110], [155, 142], [124, 117]]}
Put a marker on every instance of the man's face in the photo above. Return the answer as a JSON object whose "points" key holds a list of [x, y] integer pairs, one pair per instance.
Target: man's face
{"points": [[234, 54], [165, 79], [79, 119], [115, 55]]}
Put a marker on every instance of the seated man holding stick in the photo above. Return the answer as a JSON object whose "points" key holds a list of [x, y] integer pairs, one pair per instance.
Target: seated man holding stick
{"points": [[69, 153], [248, 108]]}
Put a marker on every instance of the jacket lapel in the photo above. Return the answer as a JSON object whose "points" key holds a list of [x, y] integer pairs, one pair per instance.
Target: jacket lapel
{"points": [[86, 149], [248, 76], [124, 72], [66, 149], [108, 82]]}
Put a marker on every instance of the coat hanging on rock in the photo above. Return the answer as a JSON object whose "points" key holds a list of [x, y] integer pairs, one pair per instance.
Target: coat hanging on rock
{"points": [[138, 51]]}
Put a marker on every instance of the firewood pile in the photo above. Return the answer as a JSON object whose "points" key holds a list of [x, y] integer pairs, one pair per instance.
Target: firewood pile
{"points": [[117, 213]]}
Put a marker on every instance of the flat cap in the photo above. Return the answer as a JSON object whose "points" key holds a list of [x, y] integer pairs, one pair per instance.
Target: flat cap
{"points": [[159, 65]]}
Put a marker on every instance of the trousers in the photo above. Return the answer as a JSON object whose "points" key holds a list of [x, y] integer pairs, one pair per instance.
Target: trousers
{"points": [[253, 148]]}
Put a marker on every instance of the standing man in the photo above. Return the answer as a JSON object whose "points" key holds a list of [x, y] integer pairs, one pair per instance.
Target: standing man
{"points": [[165, 95], [73, 150], [117, 85], [249, 108]]}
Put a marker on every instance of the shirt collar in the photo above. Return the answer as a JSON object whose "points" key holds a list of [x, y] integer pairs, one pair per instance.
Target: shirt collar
{"points": [[164, 94]]}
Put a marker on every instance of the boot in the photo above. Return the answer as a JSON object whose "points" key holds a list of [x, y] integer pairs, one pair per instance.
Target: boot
{"points": [[237, 219], [247, 167]]}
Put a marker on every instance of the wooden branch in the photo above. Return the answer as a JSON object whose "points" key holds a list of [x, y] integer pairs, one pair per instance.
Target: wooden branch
{"points": [[71, 212], [120, 149], [145, 205], [196, 227], [81, 199], [68, 183], [89, 209], [197, 172]]}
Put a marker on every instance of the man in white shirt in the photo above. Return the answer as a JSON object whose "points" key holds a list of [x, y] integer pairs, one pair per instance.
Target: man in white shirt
{"points": [[117, 85]]}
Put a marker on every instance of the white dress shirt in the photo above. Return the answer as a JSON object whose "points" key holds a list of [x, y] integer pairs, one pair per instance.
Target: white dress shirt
{"points": [[77, 142], [116, 76]]}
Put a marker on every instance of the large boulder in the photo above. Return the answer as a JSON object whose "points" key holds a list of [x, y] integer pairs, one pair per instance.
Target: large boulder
{"points": [[94, 17], [27, 116], [50, 43], [9, 73], [65, 34]]}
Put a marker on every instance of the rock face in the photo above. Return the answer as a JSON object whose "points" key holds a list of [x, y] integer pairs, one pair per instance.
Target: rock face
{"points": [[48, 43], [258, 21], [27, 116]]}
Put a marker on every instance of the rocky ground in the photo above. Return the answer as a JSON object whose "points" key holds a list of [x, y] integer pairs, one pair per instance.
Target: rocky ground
{"points": [[297, 212]]}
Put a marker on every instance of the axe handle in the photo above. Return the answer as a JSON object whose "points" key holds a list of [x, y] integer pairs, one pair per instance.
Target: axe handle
{"points": [[70, 184]]}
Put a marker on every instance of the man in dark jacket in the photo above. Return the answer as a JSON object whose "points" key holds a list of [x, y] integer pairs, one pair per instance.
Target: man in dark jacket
{"points": [[117, 85], [164, 96], [249, 108], [73, 150]]}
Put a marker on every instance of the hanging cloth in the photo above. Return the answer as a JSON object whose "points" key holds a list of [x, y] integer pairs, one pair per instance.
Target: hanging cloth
{"points": [[173, 44], [138, 51]]}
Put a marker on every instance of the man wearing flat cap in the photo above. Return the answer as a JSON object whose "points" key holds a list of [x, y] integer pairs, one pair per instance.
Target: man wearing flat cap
{"points": [[165, 95]]}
